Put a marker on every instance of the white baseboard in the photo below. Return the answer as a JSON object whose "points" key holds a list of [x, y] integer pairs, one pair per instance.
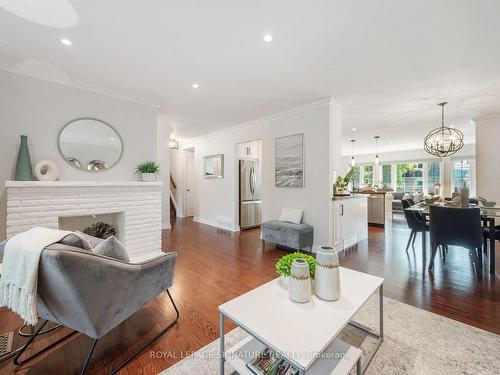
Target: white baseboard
{"points": [[213, 223]]}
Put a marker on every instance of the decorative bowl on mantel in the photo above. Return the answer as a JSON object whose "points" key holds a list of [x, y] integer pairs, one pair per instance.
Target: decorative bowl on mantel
{"points": [[489, 204]]}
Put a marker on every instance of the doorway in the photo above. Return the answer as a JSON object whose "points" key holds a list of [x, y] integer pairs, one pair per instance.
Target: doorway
{"points": [[190, 203]]}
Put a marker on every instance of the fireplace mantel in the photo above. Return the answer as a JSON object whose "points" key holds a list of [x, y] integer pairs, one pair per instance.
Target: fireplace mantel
{"points": [[44, 203], [23, 184]]}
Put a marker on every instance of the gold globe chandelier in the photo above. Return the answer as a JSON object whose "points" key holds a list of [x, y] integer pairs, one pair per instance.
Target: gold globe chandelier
{"points": [[443, 141]]}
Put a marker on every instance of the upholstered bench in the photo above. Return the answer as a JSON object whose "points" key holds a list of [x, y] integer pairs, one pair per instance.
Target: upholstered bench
{"points": [[296, 236]]}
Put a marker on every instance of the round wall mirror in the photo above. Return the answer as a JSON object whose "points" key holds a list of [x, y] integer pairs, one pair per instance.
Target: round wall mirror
{"points": [[90, 144]]}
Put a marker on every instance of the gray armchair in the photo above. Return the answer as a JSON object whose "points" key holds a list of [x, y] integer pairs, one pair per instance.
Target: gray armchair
{"points": [[92, 294]]}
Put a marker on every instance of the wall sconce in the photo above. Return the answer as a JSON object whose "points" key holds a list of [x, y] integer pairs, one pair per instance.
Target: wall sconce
{"points": [[173, 144]]}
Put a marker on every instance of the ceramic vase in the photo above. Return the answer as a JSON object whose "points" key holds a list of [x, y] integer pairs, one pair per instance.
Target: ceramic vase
{"points": [[46, 170], [299, 288], [327, 276], [23, 163], [464, 195]]}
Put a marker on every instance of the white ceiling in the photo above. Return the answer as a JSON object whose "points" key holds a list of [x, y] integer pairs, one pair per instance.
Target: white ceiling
{"points": [[386, 62]]}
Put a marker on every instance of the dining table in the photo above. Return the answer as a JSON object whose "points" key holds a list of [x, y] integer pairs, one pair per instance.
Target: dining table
{"points": [[488, 216]]}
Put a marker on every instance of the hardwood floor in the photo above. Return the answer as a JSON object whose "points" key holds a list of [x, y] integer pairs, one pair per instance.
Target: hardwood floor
{"points": [[214, 266]]}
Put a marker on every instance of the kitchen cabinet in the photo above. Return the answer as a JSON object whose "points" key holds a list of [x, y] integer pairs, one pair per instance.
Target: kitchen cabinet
{"points": [[350, 220], [248, 150]]}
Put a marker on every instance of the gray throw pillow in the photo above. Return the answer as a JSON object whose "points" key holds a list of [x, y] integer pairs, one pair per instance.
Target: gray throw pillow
{"points": [[89, 242], [112, 248], [72, 240], [2, 248]]}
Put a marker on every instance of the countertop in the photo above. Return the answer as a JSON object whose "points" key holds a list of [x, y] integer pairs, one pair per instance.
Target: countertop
{"points": [[371, 192], [341, 197]]}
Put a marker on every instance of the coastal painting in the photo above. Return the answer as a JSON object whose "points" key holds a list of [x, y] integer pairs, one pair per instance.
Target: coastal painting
{"points": [[289, 161]]}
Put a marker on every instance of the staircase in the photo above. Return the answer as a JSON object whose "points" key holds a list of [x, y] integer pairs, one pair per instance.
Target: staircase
{"points": [[173, 202]]}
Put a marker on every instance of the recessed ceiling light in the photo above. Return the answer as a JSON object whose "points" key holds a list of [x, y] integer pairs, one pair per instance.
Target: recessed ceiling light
{"points": [[66, 42], [268, 38], [354, 129], [111, 138], [195, 86]]}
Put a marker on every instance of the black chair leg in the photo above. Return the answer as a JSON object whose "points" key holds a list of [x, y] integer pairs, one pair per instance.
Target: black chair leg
{"points": [[91, 351], [414, 238], [19, 362], [413, 233], [153, 340], [433, 255]]}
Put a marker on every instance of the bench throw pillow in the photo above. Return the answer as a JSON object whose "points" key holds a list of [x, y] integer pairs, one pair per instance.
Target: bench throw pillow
{"points": [[291, 215], [112, 248]]}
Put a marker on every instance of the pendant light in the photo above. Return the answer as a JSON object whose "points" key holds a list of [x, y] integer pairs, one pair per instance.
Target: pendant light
{"points": [[443, 141], [353, 161], [377, 159]]}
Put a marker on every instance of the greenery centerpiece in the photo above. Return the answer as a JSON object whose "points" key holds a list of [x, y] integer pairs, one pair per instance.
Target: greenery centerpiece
{"points": [[342, 182], [148, 170], [284, 265], [100, 229]]}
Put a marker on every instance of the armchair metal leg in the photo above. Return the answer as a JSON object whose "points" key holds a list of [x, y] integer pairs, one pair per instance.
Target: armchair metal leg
{"points": [[19, 362], [170, 325], [91, 351]]}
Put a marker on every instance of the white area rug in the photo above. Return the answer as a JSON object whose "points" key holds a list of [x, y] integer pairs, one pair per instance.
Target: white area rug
{"points": [[416, 342]]}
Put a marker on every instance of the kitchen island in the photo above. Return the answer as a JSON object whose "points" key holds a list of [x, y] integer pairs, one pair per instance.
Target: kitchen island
{"points": [[350, 218]]}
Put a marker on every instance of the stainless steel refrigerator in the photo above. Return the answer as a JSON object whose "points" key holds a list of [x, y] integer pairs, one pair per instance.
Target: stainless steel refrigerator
{"points": [[250, 190]]}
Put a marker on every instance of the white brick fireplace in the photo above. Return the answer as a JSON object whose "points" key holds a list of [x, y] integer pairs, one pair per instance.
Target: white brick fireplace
{"points": [[134, 206]]}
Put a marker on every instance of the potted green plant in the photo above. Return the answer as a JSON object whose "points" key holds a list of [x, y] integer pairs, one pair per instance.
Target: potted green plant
{"points": [[342, 182], [148, 170], [284, 265]]}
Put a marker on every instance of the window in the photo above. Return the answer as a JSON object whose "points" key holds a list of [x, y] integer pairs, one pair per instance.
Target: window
{"points": [[433, 175], [409, 177], [461, 173], [356, 178], [386, 175], [368, 174]]}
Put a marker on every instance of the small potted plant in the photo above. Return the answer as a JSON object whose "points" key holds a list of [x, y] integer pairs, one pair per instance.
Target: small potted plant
{"points": [[284, 265], [148, 170], [342, 182]]}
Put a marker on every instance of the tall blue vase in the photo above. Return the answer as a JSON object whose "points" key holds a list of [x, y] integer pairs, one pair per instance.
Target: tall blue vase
{"points": [[24, 172]]}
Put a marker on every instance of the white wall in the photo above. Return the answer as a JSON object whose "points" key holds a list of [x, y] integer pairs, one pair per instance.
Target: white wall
{"points": [[488, 158], [40, 109], [163, 157], [217, 200]]}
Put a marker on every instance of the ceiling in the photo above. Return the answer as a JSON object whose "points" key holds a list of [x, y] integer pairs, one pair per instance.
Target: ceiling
{"points": [[388, 63]]}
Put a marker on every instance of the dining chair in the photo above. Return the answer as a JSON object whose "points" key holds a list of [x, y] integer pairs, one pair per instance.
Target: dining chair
{"points": [[486, 235], [413, 220], [456, 227]]}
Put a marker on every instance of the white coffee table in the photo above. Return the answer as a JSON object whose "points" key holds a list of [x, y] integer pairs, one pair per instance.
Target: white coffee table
{"points": [[305, 334]]}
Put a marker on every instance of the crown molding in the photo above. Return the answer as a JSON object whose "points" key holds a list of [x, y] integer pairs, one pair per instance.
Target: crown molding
{"points": [[273, 117], [485, 118], [86, 87]]}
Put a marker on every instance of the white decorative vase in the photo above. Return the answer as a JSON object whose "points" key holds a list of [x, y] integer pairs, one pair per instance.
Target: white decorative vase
{"points": [[327, 276], [46, 170], [300, 289], [149, 177]]}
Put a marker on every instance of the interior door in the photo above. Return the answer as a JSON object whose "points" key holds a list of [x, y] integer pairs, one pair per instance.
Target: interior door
{"points": [[189, 194]]}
